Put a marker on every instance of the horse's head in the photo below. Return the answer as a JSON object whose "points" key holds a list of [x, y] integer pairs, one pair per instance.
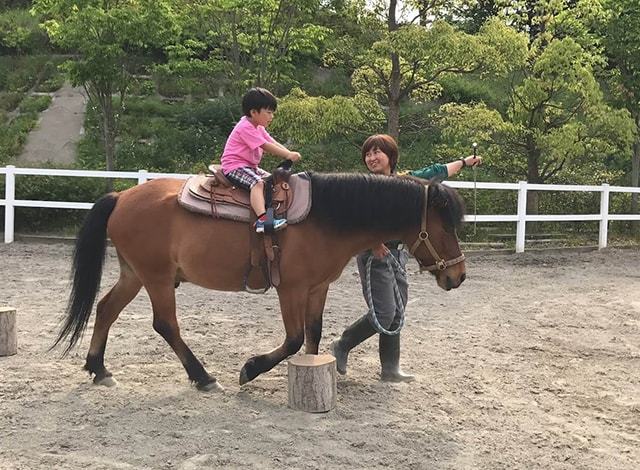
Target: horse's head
{"points": [[435, 245], [394, 208]]}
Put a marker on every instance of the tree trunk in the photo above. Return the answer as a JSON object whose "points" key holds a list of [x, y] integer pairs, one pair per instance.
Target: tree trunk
{"points": [[635, 170], [533, 176], [109, 136], [312, 383], [8, 332], [423, 13], [393, 118]]}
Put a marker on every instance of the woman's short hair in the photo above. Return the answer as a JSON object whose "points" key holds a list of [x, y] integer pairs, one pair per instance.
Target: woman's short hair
{"points": [[384, 142], [258, 99]]}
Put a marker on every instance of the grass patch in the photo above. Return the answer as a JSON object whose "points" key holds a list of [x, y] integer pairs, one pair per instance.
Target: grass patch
{"points": [[50, 85], [152, 107], [9, 100], [35, 104], [21, 73], [13, 136]]}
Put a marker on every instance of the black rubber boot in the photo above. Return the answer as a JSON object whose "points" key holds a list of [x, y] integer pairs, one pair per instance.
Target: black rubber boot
{"points": [[352, 336], [390, 360]]}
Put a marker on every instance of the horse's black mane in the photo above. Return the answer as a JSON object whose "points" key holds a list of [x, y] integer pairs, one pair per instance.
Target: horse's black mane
{"points": [[353, 201]]}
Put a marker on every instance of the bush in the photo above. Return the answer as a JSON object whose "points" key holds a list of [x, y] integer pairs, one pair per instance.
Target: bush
{"points": [[51, 78], [10, 100], [20, 33], [35, 104], [50, 188], [160, 136], [151, 107], [143, 87], [51, 84], [19, 74], [320, 81], [473, 89], [13, 136], [168, 85]]}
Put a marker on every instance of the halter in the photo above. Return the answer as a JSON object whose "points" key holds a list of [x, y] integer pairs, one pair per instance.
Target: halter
{"points": [[423, 237]]}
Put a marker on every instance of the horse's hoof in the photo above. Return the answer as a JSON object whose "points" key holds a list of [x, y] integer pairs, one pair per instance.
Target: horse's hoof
{"points": [[244, 378], [107, 381], [211, 387]]}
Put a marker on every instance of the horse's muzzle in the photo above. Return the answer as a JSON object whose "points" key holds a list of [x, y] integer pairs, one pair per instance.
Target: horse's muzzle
{"points": [[451, 281]]}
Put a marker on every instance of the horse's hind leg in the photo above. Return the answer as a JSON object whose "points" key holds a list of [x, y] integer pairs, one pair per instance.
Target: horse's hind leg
{"points": [[165, 323], [293, 305], [108, 310]]}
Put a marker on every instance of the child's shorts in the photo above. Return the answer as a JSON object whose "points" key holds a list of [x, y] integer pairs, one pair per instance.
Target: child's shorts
{"points": [[246, 177]]}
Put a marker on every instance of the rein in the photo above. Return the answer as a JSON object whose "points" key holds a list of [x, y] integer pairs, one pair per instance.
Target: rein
{"points": [[423, 237]]}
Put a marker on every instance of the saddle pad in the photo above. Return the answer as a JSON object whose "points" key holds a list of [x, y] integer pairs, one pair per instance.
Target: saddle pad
{"points": [[300, 206]]}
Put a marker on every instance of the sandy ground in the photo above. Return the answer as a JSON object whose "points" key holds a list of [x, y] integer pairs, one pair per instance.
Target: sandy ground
{"points": [[533, 363]]}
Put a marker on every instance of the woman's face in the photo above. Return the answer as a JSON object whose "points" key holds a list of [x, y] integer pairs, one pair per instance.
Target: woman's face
{"points": [[377, 162]]}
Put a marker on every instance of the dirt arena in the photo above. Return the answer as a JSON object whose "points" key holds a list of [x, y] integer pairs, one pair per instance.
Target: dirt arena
{"points": [[533, 363]]}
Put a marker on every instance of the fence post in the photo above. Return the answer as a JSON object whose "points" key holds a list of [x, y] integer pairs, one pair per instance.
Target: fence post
{"points": [[142, 176], [604, 216], [522, 216], [9, 199]]}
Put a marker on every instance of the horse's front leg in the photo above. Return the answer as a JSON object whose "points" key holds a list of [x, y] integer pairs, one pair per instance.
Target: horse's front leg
{"points": [[293, 304], [313, 318]]}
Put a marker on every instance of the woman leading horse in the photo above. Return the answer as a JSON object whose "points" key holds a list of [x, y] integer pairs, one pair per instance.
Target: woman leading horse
{"points": [[160, 244]]}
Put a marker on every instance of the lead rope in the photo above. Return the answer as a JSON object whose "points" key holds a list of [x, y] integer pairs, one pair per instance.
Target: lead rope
{"points": [[396, 267]]}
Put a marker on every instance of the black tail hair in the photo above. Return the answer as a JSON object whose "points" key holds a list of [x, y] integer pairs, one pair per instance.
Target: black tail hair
{"points": [[88, 260]]}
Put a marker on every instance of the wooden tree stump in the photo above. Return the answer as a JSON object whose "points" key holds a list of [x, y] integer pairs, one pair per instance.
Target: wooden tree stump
{"points": [[312, 382], [8, 332]]}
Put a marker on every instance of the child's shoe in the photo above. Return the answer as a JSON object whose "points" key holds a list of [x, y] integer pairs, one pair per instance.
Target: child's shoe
{"points": [[278, 224]]}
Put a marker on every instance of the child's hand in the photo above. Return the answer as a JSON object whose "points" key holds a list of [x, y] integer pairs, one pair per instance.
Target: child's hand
{"points": [[294, 156], [380, 251]]}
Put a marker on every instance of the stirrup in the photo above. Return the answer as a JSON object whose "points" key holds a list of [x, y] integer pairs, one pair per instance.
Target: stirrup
{"points": [[278, 224]]}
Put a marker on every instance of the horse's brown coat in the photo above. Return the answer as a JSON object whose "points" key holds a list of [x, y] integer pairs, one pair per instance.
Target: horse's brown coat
{"points": [[159, 243]]}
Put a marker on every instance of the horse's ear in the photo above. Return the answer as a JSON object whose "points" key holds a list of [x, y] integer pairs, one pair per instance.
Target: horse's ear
{"points": [[449, 202]]}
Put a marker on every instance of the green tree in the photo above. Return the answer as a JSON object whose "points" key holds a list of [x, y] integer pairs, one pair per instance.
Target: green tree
{"points": [[236, 44], [105, 35], [307, 119], [557, 126], [621, 37], [409, 60]]}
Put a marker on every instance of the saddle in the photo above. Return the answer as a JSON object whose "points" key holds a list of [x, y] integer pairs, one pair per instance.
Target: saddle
{"points": [[214, 195], [286, 196]]}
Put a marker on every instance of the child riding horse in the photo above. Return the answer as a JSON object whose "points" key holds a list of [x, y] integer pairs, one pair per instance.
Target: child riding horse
{"points": [[159, 244]]}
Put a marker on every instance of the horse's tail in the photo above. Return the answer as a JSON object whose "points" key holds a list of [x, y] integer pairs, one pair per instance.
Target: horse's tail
{"points": [[88, 259]]}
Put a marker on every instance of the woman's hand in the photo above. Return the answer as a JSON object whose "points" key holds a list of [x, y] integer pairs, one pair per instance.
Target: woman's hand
{"points": [[473, 161]]}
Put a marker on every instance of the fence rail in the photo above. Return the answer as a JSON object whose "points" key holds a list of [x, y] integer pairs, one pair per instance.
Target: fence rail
{"points": [[521, 218]]}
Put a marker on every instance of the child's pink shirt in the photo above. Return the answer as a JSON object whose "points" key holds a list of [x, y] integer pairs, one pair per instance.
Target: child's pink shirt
{"points": [[243, 147]]}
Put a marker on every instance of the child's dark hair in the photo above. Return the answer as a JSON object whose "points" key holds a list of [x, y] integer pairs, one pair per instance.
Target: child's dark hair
{"points": [[258, 98]]}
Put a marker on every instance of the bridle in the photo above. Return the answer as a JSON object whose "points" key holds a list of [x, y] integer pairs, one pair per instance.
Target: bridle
{"points": [[423, 237]]}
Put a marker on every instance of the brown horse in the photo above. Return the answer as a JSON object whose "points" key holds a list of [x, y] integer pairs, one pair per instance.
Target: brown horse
{"points": [[160, 244]]}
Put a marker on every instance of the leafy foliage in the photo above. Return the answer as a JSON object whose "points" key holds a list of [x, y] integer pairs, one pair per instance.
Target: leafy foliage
{"points": [[230, 45]]}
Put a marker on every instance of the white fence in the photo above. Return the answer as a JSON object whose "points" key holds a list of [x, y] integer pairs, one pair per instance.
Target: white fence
{"points": [[521, 218]]}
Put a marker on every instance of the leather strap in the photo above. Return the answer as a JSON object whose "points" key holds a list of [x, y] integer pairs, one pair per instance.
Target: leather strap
{"points": [[423, 237]]}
